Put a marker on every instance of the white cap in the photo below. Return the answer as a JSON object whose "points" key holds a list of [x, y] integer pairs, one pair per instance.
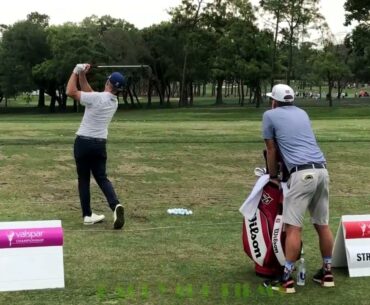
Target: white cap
{"points": [[282, 93]]}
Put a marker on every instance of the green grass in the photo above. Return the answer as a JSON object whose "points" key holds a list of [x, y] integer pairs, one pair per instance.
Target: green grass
{"points": [[202, 159]]}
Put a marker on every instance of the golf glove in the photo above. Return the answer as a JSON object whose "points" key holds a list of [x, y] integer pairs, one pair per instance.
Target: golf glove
{"points": [[79, 68]]}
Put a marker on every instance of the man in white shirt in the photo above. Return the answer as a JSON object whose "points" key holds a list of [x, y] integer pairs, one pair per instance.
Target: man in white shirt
{"points": [[90, 144]]}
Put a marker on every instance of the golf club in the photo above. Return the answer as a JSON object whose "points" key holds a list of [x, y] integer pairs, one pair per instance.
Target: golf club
{"points": [[125, 67]]}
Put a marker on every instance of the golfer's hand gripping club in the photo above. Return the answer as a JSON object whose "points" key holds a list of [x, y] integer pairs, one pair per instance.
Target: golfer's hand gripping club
{"points": [[79, 68]]}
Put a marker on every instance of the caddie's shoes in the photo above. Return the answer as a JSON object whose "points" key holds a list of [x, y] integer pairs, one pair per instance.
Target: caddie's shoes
{"points": [[280, 285], [324, 277], [94, 218], [118, 217]]}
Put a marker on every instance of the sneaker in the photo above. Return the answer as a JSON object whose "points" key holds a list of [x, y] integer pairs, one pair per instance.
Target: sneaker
{"points": [[280, 285], [94, 218], [324, 277], [118, 217]]}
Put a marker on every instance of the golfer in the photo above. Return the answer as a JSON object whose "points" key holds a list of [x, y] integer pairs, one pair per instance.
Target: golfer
{"points": [[287, 128], [90, 144]]}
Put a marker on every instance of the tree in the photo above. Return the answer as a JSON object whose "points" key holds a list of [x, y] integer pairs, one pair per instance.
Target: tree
{"points": [[69, 44], [187, 17], [304, 73], [40, 19], [220, 18], [23, 46], [249, 56], [357, 10], [329, 65], [359, 40], [275, 7], [165, 54], [359, 44], [295, 16]]}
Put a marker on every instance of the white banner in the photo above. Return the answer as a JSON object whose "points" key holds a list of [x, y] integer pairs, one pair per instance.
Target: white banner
{"points": [[352, 245], [31, 255]]}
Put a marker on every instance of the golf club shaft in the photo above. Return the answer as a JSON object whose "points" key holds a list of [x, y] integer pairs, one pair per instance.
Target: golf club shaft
{"points": [[122, 66]]}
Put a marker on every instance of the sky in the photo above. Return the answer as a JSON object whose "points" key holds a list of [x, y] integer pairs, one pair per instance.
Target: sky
{"points": [[141, 13]]}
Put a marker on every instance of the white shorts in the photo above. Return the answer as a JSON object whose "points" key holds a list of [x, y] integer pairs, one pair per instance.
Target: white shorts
{"points": [[307, 189]]}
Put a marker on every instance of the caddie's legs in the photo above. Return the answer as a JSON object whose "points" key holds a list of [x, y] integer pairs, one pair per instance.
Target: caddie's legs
{"points": [[292, 242], [326, 239], [324, 275]]}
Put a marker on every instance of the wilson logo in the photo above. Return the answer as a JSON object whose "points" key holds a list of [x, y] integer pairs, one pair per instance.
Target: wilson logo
{"points": [[253, 229], [266, 198], [275, 236]]}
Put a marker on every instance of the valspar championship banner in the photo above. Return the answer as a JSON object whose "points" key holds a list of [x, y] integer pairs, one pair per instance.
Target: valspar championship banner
{"points": [[31, 255], [352, 245]]}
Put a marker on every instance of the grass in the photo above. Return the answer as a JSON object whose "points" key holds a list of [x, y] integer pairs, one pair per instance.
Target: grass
{"points": [[202, 159]]}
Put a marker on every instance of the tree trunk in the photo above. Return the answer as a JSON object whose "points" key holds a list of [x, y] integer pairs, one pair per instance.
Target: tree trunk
{"points": [[275, 48], [340, 89], [258, 95], [131, 97], [183, 100], [191, 94], [183, 79], [204, 93], [290, 56], [330, 85], [52, 102], [213, 93], [168, 96], [219, 91], [239, 92], [242, 92], [135, 94], [150, 85], [41, 101]]}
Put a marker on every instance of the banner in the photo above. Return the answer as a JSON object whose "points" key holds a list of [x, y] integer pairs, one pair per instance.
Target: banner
{"points": [[31, 255], [352, 245]]}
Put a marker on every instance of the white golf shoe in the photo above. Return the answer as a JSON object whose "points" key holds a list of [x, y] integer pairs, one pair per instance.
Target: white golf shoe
{"points": [[118, 217], [94, 218]]}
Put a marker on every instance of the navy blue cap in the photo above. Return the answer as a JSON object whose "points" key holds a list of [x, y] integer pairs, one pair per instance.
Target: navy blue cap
{"points": [[117, 80]]}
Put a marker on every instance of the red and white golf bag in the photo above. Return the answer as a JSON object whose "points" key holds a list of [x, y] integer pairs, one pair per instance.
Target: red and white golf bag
{"points": [[263, 236]]}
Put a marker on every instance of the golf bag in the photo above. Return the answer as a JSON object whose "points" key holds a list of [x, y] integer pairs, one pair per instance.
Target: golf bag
{"points": [[263, 236]]}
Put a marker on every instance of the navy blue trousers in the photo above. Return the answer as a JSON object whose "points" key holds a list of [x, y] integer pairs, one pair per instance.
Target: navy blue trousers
{"points": [[91, 157]]}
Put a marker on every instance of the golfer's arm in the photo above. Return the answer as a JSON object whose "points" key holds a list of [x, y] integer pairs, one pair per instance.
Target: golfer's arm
{"points": [[72, 90], [84, 84], [272, 163]]}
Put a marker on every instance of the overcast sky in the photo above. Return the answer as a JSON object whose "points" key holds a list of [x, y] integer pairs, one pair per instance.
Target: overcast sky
{"points": [[141, 13]]}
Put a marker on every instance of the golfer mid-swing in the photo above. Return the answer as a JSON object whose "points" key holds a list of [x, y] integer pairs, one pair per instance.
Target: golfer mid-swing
{"points": [[90, 144]]}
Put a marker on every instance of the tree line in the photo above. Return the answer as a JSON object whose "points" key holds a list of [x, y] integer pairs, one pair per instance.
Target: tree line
{"points": [[213, 42]]}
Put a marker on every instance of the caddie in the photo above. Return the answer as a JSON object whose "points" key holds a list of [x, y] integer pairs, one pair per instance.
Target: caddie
{"points": [[287, 129]]}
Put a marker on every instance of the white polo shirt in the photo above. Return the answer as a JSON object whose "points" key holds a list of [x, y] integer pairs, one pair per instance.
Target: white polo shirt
{"points": [[99, 110]]}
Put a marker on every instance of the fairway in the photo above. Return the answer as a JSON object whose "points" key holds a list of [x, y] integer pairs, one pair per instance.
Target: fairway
{"points": [[199, 158]]}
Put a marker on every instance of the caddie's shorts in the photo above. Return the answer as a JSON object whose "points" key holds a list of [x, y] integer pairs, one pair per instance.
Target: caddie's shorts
{"points": [[307, 189]]}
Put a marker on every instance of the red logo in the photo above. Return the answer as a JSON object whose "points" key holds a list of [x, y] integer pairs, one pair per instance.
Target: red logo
{"points": [[357, 229]]}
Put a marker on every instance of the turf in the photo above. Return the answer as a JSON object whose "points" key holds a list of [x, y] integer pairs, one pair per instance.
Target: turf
{"points": [[201, 159]]}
